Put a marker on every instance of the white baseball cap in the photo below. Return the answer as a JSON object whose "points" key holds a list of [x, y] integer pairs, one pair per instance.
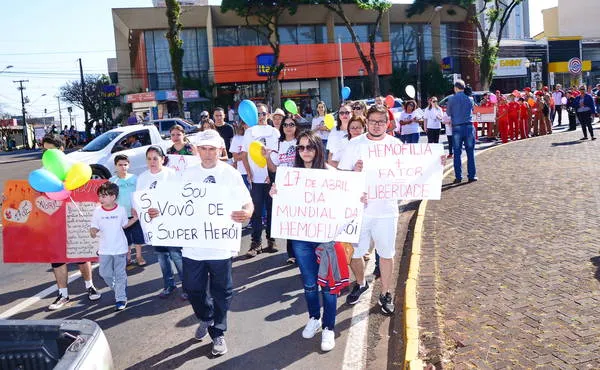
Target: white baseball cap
{"points": [[209, 138]]}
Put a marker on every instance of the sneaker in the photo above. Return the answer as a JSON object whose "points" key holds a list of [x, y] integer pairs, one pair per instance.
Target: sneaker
{"points": [[93, 294], [473, 179], [449, 156], [255, 248], [59, 302], [219, 346], [327, 340], [311, 328], [583, 138], [166, 292], [593, 138], [184, 296], [120, 306], [354, 295], [271, 246], [202, 329], [387, 303], [290, 261]]}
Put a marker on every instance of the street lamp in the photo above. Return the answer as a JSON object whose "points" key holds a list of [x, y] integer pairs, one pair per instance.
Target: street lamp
{"points": [[7, 67]]}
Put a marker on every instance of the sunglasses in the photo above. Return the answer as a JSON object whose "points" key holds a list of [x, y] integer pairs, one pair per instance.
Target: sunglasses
{"points": [[289, 124], [344, 113], [309, 147], [263, 113], [357, 108]]}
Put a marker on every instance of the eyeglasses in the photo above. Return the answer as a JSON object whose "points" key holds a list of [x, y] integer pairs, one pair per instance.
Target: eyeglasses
{"points": [[377, 123], [309, 147], [355, 128], [344, 113], [357, 108], [263, 114], [289, 124], [433, 101]]}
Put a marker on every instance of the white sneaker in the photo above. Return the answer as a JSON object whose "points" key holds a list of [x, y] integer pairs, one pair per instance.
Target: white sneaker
{"points": [[327, 340], [311, 328]]}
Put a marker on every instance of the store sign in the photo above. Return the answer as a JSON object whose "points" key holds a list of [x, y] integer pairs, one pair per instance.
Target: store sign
{"points": [[141, 97], [509, 67], [172, 94], [264, 64], [575, 66], [447, 64], [110, 91]]}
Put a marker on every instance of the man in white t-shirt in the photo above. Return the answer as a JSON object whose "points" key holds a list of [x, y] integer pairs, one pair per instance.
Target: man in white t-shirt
{"points": [[258, 177], [207, 271], [380, 217]]}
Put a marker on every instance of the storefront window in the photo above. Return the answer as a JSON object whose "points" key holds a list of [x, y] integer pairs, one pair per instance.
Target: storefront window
{"points": [[361, 31], [226, 36], [307, 35], [403, 40], [288, 35], [320, 34], [248, 37]]}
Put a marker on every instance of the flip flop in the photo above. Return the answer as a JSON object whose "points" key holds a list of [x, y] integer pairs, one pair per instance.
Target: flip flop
{"points": [[141, 263]]}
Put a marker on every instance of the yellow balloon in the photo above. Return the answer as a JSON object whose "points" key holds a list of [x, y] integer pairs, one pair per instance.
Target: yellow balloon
{"points": [[329, 121], [255, 153], [79, 174]]}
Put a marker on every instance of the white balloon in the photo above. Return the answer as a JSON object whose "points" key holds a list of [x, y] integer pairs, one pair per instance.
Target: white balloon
{"points": [[410, 90]]}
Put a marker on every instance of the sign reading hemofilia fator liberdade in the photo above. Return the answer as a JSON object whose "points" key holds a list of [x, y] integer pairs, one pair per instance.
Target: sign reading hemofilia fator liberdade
{"points": [[403, 171], [317, 205], [190, 215]]}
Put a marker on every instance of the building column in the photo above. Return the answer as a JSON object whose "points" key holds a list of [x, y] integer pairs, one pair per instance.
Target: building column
{"points": [[436, 39]]}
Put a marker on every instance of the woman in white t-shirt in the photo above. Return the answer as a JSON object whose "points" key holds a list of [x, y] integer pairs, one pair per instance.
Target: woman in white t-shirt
{"points": [[318, 122], [356, 127], [448, 126], [236, 148], [154, 177], [433, 121], [409, 122], [339, 132]]}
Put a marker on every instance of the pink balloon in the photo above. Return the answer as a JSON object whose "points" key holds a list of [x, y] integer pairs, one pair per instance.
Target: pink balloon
{"points": [[59, 195], [493, 98]]}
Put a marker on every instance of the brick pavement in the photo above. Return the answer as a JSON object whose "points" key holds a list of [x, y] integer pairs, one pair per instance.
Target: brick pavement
{"points": [[511, 264]]}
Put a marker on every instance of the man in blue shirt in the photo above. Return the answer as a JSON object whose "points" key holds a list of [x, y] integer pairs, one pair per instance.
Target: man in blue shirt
{"points": [[584, 106], [459, 109]]}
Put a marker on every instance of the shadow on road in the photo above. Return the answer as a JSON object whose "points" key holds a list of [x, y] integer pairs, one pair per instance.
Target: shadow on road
{"points": [[565, 143]]}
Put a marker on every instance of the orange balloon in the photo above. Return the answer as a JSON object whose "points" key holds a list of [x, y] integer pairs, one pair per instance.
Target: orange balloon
{"points": [[531, 102], [389, 101]]}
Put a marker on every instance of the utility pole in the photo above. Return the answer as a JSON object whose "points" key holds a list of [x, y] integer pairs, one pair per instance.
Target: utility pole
{"points": [[59, 112], [85, 112], [25, 136]]}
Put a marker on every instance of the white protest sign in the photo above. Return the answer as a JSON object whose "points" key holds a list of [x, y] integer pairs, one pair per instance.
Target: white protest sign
{"points": [[317, 205], [190, 215], [403, 171], [180, 163]]}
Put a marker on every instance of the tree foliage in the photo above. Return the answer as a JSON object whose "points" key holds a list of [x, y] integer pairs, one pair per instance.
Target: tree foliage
{"points": [[380, 7], [98, 106], [495, 13], [175, 48], [263, 17]]}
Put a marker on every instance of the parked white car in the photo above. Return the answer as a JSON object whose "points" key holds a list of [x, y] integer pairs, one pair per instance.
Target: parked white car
{"points": [[164, 126], [101, 151]]}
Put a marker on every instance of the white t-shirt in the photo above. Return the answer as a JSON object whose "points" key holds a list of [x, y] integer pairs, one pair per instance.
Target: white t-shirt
{"points": [[237, 146], [267, 135], [334, 139], [341, 148], [286, 154], [111, 223], [433, 117], [376, 208], [149, 180], [411, 128], [447, 124], [230, 179], [315, 124]]}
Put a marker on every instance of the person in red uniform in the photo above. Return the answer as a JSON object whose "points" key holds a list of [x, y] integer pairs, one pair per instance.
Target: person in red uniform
{"points": [[502, 119], [524, 119], [485, 102], [513, 115]]}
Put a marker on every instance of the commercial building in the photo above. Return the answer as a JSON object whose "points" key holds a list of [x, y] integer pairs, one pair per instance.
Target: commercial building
{"points": [[226, 59]]}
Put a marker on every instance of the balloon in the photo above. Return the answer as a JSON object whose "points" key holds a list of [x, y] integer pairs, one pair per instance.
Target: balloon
{"points": [[345, 92], [290, 106], [59, 195], [493, 98], [79, 174], [45, 181], [248, 112], [329, 121], [389, 101], [563, 100], [56, 162], [531, 102], [410, 91], [255, 153]]}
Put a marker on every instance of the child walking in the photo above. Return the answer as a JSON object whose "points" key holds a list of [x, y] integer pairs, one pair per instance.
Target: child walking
{"points": [[109, 219]]}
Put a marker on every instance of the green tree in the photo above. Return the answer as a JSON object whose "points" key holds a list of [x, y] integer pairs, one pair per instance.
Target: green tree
{"points": [[175, 48], [263, 17], [489, 21], [380, 7]]}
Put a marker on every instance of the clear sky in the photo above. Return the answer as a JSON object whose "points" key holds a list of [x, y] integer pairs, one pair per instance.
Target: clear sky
{"points": [[43, 39]]}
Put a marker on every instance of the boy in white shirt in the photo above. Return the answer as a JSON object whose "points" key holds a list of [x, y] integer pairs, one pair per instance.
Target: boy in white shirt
{"points": [[109, 219]]}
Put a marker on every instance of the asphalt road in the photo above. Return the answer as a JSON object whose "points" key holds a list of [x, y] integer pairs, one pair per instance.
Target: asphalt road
{"points": [[267, 315]]}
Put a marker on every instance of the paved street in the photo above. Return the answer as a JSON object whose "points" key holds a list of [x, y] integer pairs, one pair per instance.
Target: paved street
{"points": [[510, 264]]}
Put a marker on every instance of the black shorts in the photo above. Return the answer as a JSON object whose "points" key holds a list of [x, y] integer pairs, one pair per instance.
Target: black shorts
{"points": [[58, 264], [134, 234]]}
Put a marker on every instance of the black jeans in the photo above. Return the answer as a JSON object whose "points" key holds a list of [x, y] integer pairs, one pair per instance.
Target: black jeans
{"points": [[210, 288], [585, 118], [558, 113], [449, 144], [433, 135], [260, 199], [572, 122]]}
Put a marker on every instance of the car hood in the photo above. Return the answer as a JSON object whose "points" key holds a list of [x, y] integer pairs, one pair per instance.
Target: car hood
{"points": [[85, 157]]}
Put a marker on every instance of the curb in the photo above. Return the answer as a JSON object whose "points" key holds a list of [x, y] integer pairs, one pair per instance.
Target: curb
{"points": [[411, 309]]}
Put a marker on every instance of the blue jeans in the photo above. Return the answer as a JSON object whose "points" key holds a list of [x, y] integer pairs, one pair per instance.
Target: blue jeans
{"points": [[210, 288], [113, 271], [464, 134], [410, 138], [165, 255], [245, 178], [309, 268]]}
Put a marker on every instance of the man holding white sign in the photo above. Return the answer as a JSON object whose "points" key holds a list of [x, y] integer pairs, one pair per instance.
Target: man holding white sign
{"points": [[207, 267]]}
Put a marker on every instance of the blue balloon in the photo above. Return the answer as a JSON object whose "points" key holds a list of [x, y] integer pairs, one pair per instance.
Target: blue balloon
{"points": [[248, 112], [345, 92], [45, 181]]}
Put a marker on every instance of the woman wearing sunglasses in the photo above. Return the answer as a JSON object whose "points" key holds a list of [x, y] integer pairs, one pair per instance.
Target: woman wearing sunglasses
{"points": [[356, 127], [433, 121], [359, 108], [339, 132]]}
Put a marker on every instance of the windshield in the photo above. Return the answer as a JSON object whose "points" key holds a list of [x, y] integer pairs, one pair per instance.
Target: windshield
{"points": [[101, 141]]}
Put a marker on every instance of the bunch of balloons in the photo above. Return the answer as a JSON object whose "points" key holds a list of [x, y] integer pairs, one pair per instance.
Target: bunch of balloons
{"points": [[59, 176]]}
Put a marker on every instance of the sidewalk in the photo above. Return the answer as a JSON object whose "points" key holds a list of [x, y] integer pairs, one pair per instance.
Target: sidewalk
{"points": [[510, 265]]}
